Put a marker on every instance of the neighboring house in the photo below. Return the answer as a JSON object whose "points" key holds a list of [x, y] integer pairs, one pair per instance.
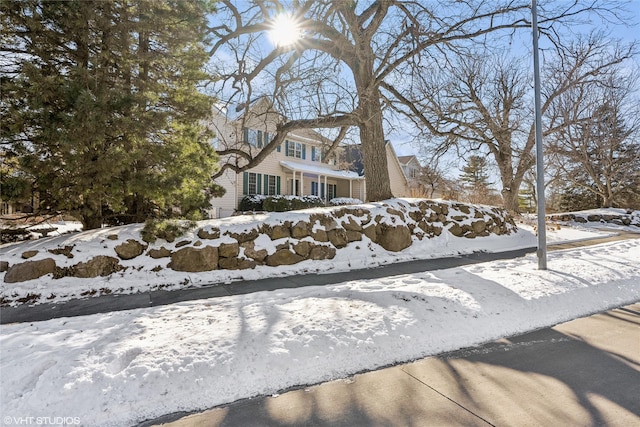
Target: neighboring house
{"points": [[411, 168], [296, 167]]}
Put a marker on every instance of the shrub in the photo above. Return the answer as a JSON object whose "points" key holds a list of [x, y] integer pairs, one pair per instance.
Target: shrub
{"points": [[341, 201], [290, 203], [168, 229], [252, 202]]}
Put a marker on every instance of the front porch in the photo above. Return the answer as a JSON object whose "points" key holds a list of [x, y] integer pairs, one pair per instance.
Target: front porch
{"points": [[304, 179]]}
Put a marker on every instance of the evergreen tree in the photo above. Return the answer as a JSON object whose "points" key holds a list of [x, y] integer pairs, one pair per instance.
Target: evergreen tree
{"points": [[475, 179], [100, 102]]}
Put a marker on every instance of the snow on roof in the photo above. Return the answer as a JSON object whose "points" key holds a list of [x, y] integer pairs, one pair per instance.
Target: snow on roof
{"points": [[320, 170]]}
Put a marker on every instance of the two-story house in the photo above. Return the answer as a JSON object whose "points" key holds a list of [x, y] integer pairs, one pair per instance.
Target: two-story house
{"points": [[295, 167]]}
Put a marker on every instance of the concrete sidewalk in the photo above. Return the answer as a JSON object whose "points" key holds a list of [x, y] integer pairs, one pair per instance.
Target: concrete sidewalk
{"points": [[580, 373], [109, 303]]}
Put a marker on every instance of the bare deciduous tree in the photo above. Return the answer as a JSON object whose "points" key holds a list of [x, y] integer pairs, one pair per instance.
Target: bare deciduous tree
{"points": [[348, 54], [599, 152], [479, 101]]}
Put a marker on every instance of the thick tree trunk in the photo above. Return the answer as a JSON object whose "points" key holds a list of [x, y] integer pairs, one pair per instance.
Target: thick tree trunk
{"points": [[510, 200], [374, 153], [91, 221]]}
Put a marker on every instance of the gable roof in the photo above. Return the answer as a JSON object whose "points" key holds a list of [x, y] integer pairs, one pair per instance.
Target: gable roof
{"points": [[405, 160]]}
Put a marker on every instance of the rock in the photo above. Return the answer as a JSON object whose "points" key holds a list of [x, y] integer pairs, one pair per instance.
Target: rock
{"points": [[130, 249], [396, 212], [283, 257], [456, 230], [228, 250], [320, 236], [417, 216], [246, 236], [351, 225], [4, 266], [463, 208], [159, 253], [354, 236], [322, 252], [29, 270], [301, 230], [197, 243], [250, 252], [228, 263], [279, 232], [213, 234], [580, 219], [112, 237], [66, 250], [338, 237], [182, 243], [303, 248], [593, 218], [195, 260], [156, 268], [370, 232], [394, 238], [29, 254], [478, 226], [100, 265]]}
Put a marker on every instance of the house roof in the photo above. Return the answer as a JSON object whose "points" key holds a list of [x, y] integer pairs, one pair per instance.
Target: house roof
{"points": [[320, 170], [407, 159]]}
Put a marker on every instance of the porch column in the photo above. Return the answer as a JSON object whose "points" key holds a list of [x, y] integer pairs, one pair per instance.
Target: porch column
{"points": [[319, 192], [301, 184], [326, 190], [293, 184]]}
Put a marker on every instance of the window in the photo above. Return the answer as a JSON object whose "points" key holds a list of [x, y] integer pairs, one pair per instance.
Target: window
{"points": [[252, 183], [271, 185], [295, 149], [316, 154], [253, 137], [331, 191]]}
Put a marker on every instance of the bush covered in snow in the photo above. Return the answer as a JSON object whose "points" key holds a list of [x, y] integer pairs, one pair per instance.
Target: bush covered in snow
{"points": [[251, 202], [341, 201], [291, 203]]}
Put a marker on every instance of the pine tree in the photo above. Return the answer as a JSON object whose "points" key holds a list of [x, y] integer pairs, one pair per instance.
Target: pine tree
{"points": [[475, 178], [100, 101]]}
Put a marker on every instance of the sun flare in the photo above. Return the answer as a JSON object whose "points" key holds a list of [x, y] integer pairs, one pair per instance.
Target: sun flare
{"points": [[284, 31]]}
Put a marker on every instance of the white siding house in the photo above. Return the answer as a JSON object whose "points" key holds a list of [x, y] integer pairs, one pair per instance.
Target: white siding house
{"points": [[295, 167]]}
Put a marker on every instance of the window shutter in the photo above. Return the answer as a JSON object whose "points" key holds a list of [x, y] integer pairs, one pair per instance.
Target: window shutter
{"points": [[313, 153], [279, 148], [286, 147], [277, 185], [322, 190], [258, 182], [259, 139], [304, 151], [313, 187], [245, 135], [266, 184], [245, 183]]}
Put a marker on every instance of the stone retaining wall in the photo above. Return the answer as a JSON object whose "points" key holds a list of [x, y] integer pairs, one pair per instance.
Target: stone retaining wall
{"points": [[320, 236]]}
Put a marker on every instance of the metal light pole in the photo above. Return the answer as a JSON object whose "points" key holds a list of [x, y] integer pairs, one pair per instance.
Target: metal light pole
{"points": [[542, 229]]}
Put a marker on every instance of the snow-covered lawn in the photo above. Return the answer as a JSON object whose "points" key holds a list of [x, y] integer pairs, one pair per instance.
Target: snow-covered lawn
{"points": [[122, 368]]}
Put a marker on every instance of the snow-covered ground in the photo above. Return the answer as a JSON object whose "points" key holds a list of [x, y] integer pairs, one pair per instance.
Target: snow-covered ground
{"points": [[122, 368]]}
